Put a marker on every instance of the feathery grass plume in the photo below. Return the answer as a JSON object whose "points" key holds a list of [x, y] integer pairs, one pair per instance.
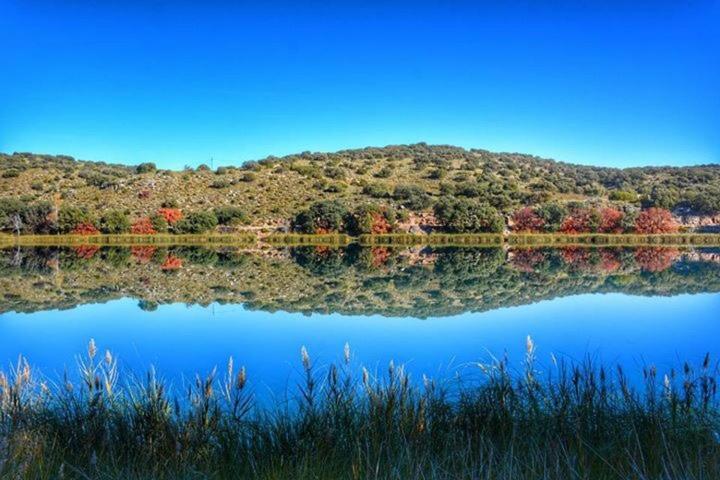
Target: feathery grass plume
{"points": [[92, 348], [577, 421], [346, 353]]}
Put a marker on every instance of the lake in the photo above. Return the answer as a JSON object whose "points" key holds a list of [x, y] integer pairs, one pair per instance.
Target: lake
{"points": [[439, 311]]}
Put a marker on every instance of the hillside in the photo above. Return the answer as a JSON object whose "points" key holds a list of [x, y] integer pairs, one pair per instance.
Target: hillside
{"points": [[408, 178]]}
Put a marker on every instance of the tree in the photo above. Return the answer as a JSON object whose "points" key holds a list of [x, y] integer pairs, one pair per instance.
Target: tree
{"points": [[85, 228], [143, 226], [581, 220], [171, 215], [230, 215], [322, 217], [467, 216], [413, 197], [553, 214], [147, 167], [70, 217], [370, 219], [196, 222], [611, 220], [159, 223], [655, 220], [526, 220], [114, 222]]}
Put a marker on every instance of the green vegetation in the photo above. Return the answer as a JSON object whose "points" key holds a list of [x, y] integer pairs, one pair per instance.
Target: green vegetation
{"points": [[408, 179], [554, 422]]}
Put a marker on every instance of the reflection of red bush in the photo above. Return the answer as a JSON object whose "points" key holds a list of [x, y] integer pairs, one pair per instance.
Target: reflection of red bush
{"points": [[85, 229], [577, 257], [143, 254], [143, 226], [171, 263], [609, 260], [380, 256], [656, 259], [526, 220], [86, 252], [526, 259], [171, 215]]}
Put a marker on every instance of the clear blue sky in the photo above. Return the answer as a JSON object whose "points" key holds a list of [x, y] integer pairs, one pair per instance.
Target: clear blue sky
{"points": [[177, 83]]}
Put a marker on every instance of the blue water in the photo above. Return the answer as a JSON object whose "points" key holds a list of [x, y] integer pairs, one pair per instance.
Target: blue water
{"points": [[181, 340]]}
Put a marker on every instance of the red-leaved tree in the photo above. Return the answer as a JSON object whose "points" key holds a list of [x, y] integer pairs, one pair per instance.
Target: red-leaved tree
{"points": [[85, 228], [656, 220], [171, 215], [611, 220], [582, 220], [526, 220], [143, 226], [656, 259]]}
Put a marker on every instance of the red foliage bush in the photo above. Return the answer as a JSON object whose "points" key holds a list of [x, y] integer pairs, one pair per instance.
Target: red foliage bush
{"points": [[583, 220], [143, 226], [611, 220], [171, 215], [380, 224], [526, 220], [85, 229], [656, 259], [655, 220]]}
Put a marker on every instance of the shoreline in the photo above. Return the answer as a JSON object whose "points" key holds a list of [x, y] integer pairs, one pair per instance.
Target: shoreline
{"points": [[383, 240]]}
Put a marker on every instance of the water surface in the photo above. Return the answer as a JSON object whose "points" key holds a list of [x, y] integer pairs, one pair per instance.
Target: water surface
{"points": [[438, 310]]}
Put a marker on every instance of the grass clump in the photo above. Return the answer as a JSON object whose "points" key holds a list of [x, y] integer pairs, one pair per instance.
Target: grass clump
{"points": [[574, 421]]}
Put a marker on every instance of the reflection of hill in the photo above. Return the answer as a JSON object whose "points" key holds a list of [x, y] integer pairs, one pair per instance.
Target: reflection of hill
{"points": [[418, 282]]}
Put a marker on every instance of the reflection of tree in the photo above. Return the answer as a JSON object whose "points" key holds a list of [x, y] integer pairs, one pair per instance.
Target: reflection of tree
{"points": [[143, 254], [527, 259], [86, 252], [421, 282], [656, 259]]}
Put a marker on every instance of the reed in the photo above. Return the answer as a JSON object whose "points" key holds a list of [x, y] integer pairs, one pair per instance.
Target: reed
{"points": [[560, 421]]}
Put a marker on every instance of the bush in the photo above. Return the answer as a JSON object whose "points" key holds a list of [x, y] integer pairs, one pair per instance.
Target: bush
{"points": [[159, 223], [370, 219], [220, 184], [655, 220], [376, 190], [70, 217], [466, 216], [114, 222], [196, 222], [231, 215], [10, 173], [147, 167], [248, 177], [321, 217], [412, 197]]}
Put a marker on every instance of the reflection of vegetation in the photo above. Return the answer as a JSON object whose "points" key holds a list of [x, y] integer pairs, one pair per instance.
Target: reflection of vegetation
{"points": [[419, 281]]}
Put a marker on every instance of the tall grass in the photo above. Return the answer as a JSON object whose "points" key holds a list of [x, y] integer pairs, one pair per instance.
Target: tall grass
{"points": [[564, 421]]}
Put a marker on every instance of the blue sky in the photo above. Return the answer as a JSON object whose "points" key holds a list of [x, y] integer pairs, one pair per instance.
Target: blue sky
{"points": [[611, 83]]}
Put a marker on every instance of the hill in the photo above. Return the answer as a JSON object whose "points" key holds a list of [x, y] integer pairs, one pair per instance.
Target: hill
{"points": [[407, 178]]}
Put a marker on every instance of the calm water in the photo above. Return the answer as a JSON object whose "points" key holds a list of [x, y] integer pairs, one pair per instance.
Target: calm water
{"points": [[437, 310]]}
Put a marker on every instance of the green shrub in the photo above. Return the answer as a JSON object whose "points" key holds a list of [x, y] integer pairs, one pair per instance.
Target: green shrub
{"points": [[196, 222], [412, 197], [467, 216], [114, 222], [324, 216], [70, 217], [147, 167], [231, 215]]}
